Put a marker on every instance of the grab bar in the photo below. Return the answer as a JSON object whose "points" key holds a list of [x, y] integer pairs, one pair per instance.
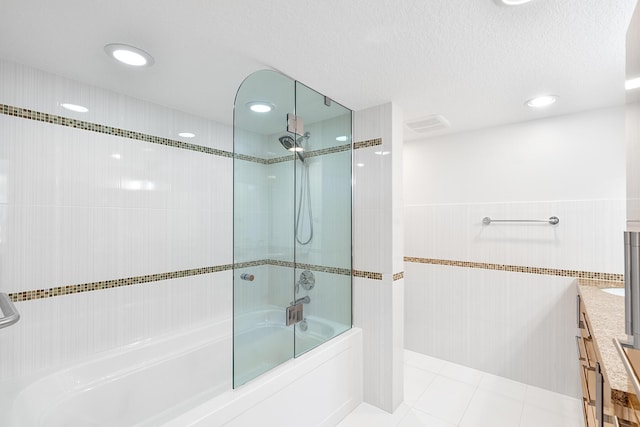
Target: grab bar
{"points": [[9, 312], [552, 220]]}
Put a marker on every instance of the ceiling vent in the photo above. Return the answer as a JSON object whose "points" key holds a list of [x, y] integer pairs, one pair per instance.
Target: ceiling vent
{"points": [[428, 124]]}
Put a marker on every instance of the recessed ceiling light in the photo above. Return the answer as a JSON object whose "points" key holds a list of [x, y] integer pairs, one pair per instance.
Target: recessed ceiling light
{"points": [[513, 2], [74, 107], [129, 55], [342, 138], [542, 101], [632, 83], [260, 107], [186, 134]]}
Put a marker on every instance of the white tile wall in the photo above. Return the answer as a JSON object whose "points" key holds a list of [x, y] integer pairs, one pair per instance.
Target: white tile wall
{"points": [[573, 157], [58, 331], [379, 304], [633, 166], [373, 191], [78, 207], [588, 237], [515, 325], [26, 87]]}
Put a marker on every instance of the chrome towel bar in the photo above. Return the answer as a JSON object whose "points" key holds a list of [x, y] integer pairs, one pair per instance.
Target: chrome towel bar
{"points": [[552, 220], [9, 313]]}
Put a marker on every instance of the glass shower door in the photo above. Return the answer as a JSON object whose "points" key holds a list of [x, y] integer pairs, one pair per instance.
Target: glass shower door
{"points": [[263, 252], [292, 222], [322, 224]]}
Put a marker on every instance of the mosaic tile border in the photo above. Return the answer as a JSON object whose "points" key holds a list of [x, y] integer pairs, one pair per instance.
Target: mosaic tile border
{"points": [[39, 116], [116, 283], [322, 152], [137, 280], [312, 267], [253, 159], [315, 153], [368, 143], [107, 130], [521, 269], [398, 276], [367, 274]]}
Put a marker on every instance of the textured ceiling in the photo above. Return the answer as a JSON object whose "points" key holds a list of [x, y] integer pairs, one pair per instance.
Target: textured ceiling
{"points": [[473, 61]]}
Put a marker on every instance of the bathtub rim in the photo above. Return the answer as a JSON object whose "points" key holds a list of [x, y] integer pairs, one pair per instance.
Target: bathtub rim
{"points": [[15, 392], [226, 407]]}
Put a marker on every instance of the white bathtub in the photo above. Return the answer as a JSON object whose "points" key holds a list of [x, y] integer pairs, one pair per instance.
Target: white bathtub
{"points": [[264, 341], [185, 380]]}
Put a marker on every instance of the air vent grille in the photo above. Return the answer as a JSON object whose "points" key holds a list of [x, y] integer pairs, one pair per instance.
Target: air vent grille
{"points": [[428, 124]]}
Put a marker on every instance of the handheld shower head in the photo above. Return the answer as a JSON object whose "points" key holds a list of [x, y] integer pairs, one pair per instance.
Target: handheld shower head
{"points": [[292, 145]]}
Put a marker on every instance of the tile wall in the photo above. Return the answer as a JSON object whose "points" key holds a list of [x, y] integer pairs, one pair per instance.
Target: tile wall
{"points": [[633, 162], [505, 293], [378, 283], [111, 201], [113, 229]]}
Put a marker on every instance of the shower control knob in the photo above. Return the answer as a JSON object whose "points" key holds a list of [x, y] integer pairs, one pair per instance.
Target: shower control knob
{"points": [[307, 280], [247, 276]]}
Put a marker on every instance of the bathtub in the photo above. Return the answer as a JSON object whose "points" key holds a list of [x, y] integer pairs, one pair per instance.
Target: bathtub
{"points": [[263, 333], [184, 379]]}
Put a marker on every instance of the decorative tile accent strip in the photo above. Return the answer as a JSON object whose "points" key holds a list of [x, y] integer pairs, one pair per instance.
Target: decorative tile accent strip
{"points": [[240, 265], [398, 276], [129, 281], [367, 143], [333, 270], [307, 154], [116, 283], [107, 130], [330, 150], [521, 269], [279, 159], [313, 267], [251, 158], [367, 274]]}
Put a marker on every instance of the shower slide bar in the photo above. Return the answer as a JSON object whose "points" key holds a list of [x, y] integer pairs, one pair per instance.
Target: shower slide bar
{"points": [[8, 311], [552, 220]]}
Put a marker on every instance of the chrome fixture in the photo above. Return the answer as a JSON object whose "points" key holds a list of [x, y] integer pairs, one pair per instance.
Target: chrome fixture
{"points": [[304, 199], [295, 314], [8, 311], [295, 311], [307, 280], [554, 220], [247, 276], [294, 145], [303, 326], [632, 286], [303, 300]]}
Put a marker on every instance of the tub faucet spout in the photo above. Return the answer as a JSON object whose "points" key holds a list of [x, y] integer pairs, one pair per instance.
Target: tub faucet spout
{"points": [[303, 300]]}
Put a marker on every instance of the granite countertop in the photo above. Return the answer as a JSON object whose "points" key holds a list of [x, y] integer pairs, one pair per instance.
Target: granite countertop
{"points": [[606, 317]]}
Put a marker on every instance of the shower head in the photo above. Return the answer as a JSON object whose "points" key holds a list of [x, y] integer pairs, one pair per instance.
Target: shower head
{"points": [[287, 142], [292, 145]]}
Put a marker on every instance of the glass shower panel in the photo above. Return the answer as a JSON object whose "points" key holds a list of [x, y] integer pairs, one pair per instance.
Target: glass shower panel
{"points": [[292, 222], [322, 228], [263, 253]]}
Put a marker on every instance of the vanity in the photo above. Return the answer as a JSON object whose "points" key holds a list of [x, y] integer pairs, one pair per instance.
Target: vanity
{"points": [[607, 390]]}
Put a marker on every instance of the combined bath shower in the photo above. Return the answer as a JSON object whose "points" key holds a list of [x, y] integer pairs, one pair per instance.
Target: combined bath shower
{"points": [[295, 145]]}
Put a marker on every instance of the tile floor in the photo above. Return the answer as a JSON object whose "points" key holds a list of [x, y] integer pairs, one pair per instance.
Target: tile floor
{"points": [[442, 394]]}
